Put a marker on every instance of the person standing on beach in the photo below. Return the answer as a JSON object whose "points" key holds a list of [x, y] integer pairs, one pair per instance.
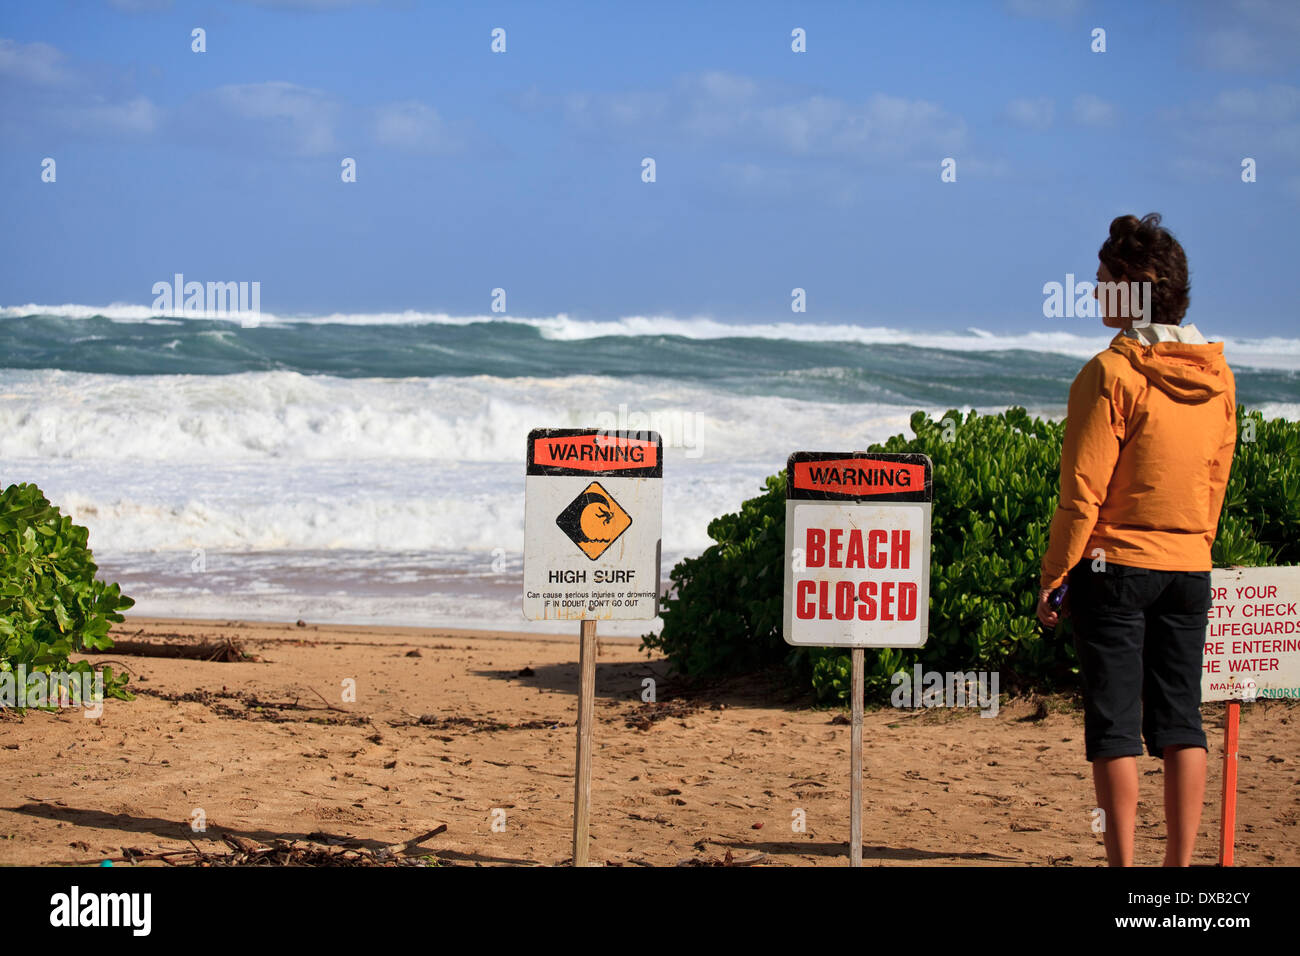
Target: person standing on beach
{"points": [[1149, 438]]}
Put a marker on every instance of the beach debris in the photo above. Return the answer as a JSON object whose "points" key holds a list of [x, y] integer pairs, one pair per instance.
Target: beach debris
{"points": [[472, 724], [728, 859], [223, 650], [643, 716], [284, 851], [225, 704]]}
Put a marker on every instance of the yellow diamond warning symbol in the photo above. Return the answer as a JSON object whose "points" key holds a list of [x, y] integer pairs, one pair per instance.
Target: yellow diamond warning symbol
{"points": [[594, 520]]}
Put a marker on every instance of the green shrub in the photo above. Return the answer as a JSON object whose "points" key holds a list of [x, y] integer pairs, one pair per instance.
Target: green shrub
{"points": [[723, 612], [996, 485], [1260, 524], [51, 604]]}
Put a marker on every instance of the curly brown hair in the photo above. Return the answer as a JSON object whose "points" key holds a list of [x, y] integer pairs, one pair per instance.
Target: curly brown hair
{"points": [[1141, 250]]}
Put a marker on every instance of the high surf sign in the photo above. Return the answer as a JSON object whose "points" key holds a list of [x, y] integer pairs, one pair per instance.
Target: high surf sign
{"points": [[593, 515]]}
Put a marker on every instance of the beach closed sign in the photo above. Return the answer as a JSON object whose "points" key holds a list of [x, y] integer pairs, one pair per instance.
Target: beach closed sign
{"points": [[593, 506], [857, 549], [1252, 641]]}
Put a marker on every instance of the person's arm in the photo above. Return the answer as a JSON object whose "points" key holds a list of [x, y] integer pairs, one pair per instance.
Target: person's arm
{"points": [[1094, 428], [1221, 466]]}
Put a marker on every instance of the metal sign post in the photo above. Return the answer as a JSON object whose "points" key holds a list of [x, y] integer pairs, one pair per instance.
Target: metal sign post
{"points": [[1251, 651], [1228, 820]]}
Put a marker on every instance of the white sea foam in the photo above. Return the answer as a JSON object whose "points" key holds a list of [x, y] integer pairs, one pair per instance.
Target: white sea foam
{"points": [[276, 460], [286, 416]]}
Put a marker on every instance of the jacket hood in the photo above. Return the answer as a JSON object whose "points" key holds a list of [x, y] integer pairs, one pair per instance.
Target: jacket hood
{"points": [[1185, 371]]}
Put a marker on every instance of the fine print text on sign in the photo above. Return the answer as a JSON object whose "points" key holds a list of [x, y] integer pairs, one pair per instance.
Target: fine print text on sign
{"points": [[593, 504], [857, 542], [1252, 642]]}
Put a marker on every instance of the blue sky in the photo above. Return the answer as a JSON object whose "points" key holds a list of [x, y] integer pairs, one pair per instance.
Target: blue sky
{"points": [[775, 169]]}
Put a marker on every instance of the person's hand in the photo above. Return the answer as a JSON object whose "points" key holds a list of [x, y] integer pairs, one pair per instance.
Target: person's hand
{"points": [[1048, 615]]}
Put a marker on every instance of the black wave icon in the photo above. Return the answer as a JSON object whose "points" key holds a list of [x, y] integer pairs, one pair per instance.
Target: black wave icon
{"points": [[593, 521]]}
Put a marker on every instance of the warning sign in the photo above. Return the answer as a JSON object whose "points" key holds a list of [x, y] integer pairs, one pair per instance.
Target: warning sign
{"points": [[593, 504], [1252, 641], [857, 541]]}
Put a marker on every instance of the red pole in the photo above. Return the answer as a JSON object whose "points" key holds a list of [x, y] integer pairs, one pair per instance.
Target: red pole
{"points": [[1228, 821]]}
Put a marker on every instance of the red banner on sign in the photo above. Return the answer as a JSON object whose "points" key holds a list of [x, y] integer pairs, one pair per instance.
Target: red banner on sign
{"points": [[862, 477], [595, 452]]}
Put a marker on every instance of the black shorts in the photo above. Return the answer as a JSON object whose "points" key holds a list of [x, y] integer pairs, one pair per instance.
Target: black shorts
{"points": [[1140, 637]]}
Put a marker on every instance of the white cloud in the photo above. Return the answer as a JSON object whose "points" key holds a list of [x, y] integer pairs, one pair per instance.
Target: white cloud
{"points": [[1243, 122], [597, 111], [297, 118], [44, 95], [1218, 134], [1090, 110], [724, 87], [1275, 104], [141, 6], [1251, 36], [412, 125], [312, 5], [136, 116], [37, 64], [1044, 9], [1035, 114], [737, 111]]}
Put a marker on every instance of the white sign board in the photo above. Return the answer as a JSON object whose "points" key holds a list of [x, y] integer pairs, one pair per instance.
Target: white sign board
{"points": [[857, 542], [1252, 643], [593, 506]]}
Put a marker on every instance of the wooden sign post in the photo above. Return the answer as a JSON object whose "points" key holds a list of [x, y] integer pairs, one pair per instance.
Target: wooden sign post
{"points": [[582, 778], [857, 665], [593, 506], [857, 568]]}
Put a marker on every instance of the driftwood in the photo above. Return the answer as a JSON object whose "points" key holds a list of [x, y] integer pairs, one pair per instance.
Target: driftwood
{"points": [[224, 650]]}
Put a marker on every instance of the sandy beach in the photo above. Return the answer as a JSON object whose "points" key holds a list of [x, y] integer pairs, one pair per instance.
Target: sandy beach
{"points": [[474, 730]]}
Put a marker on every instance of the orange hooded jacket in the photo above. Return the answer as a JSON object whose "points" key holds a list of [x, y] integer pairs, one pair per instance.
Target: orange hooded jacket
{"points": [[1149, 436]]}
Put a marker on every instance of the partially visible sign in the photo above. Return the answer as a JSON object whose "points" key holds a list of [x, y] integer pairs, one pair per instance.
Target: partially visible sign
{"points": [[1252, 642], [857, 542], [593, 504]]}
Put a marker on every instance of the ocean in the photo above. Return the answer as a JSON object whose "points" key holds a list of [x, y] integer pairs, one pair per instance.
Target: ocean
{"points": [[369, 468]]}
